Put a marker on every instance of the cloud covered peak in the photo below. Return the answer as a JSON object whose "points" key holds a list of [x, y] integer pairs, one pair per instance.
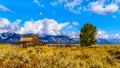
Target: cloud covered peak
{"points": [[7, 26], [44, 26]]}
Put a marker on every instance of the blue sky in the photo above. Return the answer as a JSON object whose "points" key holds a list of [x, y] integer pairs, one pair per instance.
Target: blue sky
{"points": [[60, 16]]}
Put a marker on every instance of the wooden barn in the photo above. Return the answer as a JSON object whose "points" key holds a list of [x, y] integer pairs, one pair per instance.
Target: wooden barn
{"points": [[30, 41]]}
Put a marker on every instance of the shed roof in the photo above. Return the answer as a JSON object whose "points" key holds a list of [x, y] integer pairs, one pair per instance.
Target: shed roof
{"points": [[26, 38]]}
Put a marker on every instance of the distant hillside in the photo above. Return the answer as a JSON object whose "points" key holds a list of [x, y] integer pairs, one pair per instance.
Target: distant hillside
{"points": [[49, 39]]}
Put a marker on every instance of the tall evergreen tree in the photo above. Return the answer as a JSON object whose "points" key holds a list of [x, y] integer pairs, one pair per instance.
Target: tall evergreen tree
{"points": [[88, 35]]}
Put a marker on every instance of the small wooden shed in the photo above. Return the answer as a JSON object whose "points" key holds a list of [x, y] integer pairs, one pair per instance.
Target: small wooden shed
{"points": [[29, 41]]}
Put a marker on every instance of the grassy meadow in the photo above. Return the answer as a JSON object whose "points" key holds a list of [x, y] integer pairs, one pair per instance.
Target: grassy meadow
{"points": [[104, 56]]}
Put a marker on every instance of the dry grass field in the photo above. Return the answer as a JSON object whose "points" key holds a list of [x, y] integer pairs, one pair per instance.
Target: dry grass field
{"points": [[104, 56]]}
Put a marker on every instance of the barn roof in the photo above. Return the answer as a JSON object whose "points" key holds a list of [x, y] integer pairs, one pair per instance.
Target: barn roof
{"points": [[27, 38]]}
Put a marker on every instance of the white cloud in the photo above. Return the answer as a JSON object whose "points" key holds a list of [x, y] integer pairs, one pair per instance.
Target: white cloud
{"points": [[103, 7], [3, 8], [99, 7], [70, 27], [116, 36], [53, 3], [74, 5], [75, 23], [73, 34], [7, 26], [38, 3], [102, 34], [117, 1], [45, 26]]}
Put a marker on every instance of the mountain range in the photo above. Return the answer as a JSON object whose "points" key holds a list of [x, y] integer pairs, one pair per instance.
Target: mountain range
{"points": [[10, 37]]}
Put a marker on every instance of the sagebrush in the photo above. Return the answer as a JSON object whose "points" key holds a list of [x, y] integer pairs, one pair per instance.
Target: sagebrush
{"points": [[62, 57]]}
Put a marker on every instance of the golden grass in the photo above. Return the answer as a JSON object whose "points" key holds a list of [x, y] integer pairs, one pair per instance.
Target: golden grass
{"points": [[104, 56]]}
